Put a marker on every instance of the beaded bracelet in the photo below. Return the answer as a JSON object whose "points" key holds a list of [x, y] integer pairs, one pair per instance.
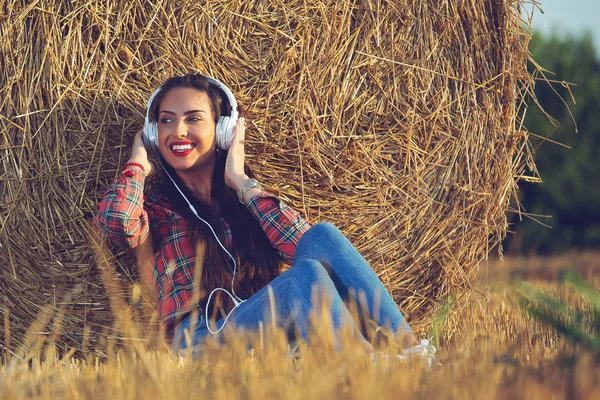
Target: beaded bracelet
{"points": [[133, 163]]}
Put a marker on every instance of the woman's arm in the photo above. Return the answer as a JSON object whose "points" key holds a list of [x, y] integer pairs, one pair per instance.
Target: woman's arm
{"points": [[145, 260], [283, 225], [121, 215]]}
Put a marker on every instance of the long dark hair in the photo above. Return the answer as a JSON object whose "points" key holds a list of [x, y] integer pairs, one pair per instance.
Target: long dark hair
{"points": [[257, 261]]}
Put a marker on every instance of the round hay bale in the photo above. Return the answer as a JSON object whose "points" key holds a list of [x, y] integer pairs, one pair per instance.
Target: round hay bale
{"points": [[398, 121]]}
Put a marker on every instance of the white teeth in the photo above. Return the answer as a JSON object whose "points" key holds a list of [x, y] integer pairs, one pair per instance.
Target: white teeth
{"points": [[182, 147]]}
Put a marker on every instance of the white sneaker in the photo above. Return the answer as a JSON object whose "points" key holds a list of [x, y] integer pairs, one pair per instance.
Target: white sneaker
{"points": [[425, 352]]}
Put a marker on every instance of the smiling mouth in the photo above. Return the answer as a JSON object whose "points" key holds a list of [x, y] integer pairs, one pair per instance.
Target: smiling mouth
{"points": [[181, 148]]}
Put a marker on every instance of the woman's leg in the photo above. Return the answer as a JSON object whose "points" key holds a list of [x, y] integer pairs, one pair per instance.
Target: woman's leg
{"points": [[294, 301], [351, 275]]}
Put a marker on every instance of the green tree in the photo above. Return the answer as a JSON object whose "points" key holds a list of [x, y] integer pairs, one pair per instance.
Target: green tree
{"points": [[570, 191]]}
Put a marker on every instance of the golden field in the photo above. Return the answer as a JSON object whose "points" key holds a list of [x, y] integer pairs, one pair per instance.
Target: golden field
{"points": [[488, 348]]}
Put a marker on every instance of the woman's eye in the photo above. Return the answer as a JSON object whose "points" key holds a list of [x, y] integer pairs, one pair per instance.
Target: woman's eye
{"points": [[165, 120], [194, 119]]}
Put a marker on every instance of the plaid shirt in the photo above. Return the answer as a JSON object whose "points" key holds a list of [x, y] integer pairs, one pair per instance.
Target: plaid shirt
{"points": [[125, 216]]}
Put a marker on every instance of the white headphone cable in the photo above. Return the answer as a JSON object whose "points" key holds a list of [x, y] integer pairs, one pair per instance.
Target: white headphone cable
{"points": [[233, 296]]}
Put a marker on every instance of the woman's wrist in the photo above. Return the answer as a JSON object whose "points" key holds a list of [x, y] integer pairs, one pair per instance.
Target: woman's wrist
{"points": [[137, 163], [238, 183], [246, 188], [134, 164], [252, 192]]}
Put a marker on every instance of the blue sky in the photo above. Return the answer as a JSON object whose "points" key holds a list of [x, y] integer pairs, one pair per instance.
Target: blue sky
{"points": [[568, 16]]}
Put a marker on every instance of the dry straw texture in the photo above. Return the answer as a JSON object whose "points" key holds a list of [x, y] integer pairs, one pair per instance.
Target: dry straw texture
{"points": [[398, 121], [498, 352]]}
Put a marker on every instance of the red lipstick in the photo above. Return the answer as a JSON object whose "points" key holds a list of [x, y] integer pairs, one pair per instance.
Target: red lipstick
{"points": [[181, 149]]}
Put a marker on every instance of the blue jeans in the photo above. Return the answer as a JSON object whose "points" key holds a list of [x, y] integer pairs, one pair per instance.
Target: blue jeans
{"points": [[325, 263]]}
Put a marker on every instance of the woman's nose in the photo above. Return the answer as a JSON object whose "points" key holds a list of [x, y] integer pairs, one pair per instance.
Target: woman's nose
{"points": [[180, 129]]}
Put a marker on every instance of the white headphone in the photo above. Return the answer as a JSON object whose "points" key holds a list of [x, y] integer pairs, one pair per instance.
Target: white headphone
{"points": [[224, 134], [224, 128]]}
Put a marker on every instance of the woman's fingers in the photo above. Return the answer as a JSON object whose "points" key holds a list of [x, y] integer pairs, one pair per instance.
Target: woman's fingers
{"points": [[234, 165], [242, 129], [240, 137], [239, 132]]}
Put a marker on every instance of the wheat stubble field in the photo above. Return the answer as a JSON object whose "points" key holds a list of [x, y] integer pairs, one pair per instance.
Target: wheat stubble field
{"points": [[488, 348]]}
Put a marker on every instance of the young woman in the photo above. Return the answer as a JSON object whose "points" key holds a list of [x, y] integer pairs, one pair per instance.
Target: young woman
{"points": [[259, 230]]}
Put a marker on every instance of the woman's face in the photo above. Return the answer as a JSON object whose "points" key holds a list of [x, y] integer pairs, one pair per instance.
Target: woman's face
{"points": [[186, 129]]}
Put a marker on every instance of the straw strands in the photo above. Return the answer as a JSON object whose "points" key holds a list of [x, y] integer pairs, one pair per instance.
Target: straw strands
{"points": [[398, 121]]}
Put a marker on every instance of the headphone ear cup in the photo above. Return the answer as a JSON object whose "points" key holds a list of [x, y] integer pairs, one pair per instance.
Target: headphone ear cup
{"points": [[150, 138], [154, 127], [219, 134], [224, 132]]}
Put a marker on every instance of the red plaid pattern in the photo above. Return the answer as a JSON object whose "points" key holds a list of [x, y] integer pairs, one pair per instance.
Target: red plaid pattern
{"points": [[125, 216]]}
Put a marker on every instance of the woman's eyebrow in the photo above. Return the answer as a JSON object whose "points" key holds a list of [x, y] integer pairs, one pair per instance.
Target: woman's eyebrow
{"points": [[194, 111], [185, 113]]}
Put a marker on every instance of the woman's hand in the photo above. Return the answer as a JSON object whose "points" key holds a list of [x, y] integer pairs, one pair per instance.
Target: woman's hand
{"points": [[139, 153], [234, 165]]}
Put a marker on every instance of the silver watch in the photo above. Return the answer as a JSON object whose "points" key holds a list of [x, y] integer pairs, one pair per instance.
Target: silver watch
{"points": [[249, 184]]}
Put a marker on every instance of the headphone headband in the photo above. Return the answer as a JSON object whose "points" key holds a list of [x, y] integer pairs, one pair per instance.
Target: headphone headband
{"points": [[230, 97]]}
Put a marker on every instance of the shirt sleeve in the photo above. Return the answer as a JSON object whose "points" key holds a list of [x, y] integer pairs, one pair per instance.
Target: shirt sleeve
{"points": [[283, 225], [121, 215]]}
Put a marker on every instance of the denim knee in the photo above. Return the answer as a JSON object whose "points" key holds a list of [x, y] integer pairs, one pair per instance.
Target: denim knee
{"points": [[326, 228], [321, 232], [315, 273]]}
